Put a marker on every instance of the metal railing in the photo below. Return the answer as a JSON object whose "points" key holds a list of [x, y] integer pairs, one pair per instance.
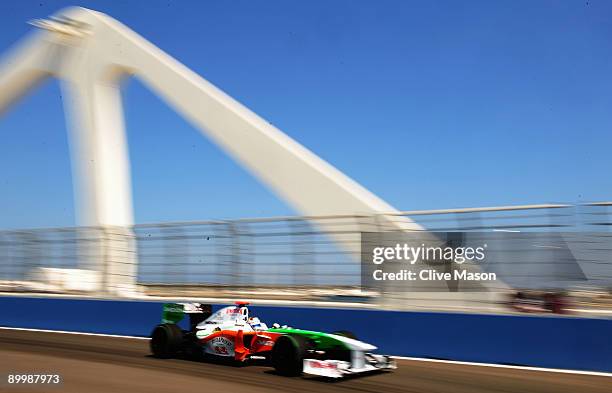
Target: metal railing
{"points": [[271, 256]]}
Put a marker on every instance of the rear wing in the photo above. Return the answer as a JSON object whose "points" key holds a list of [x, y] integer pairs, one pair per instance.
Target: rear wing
{"points": [[175, 312]]}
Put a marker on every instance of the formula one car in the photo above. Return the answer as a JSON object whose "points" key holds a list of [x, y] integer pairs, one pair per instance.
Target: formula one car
{"points": [[231, 333]]}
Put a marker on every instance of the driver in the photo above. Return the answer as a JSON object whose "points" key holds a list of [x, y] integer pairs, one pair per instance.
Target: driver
{"points": [[256, 324]]}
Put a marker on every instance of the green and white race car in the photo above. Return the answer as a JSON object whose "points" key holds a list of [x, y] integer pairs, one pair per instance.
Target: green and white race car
{"points": [[232, 333]]}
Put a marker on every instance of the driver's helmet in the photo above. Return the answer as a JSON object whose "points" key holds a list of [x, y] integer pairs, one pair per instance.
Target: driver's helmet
{"points": [[255, 323]]}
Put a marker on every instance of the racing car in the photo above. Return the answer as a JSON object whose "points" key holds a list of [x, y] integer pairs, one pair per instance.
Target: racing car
{"points": [[231, 333]]}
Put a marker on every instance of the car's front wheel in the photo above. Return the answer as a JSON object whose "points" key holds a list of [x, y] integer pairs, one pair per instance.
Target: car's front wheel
{"points": [[166, 340], [288, 355]]}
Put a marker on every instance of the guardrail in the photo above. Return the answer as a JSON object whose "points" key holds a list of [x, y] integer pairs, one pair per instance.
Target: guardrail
{"points": [[301, 255]]}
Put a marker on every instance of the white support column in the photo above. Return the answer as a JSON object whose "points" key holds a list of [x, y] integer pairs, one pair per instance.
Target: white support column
{"points": [[101, 176], [99, 150]]}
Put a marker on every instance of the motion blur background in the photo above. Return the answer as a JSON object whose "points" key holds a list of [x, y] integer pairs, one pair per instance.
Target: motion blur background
{"points": [[511, 111]]}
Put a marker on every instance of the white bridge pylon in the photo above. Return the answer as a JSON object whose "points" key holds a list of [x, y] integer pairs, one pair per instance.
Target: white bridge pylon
{"points": [[91, 52]]}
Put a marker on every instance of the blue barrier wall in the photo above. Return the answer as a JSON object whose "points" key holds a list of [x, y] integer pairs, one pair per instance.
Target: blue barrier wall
{"points": [[541, 341]]}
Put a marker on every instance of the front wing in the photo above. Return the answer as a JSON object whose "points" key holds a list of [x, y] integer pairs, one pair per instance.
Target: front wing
{"points": [[338, 368]]}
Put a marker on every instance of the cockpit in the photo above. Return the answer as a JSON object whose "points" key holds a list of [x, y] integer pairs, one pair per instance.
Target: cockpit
{"points": [[232, 318]]}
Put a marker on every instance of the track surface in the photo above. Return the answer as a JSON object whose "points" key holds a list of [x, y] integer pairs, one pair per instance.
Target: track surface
{"points": [[103, 364]]}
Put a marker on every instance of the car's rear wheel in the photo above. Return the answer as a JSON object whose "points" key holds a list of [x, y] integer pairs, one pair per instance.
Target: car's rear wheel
{"points": [[166, 340], [288, 355]]}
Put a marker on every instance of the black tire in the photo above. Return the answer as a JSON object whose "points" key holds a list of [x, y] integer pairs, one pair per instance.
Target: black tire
{"points": [[166, 340], [288, 355], [345, 333]]}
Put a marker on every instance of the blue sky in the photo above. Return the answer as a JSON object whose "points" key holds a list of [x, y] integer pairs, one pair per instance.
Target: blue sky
{"points": [[428, 104]]}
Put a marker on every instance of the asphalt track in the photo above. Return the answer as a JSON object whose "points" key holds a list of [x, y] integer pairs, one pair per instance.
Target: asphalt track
{"points": [[105, 364]]}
